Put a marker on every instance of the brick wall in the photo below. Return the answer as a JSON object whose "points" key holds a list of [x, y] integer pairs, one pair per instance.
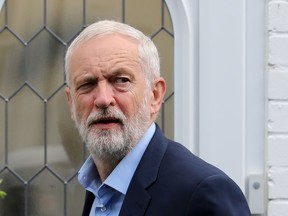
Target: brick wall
{"points": [[277, 151]]}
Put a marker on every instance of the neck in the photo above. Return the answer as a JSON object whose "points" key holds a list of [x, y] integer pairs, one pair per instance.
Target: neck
{"points": [[104, 167]]}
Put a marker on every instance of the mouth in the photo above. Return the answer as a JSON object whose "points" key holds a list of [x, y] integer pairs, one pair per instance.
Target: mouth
{"points": [[105, 122]]}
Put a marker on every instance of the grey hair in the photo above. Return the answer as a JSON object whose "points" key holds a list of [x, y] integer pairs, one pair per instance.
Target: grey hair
{"points": [[148, 54]]}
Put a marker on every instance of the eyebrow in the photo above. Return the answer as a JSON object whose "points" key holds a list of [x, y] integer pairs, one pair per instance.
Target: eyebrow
{"points": [[84, 79], [123, 71]]}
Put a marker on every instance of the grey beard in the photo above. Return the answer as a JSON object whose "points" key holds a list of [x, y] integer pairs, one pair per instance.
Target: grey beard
{"points": [[114, 144]]}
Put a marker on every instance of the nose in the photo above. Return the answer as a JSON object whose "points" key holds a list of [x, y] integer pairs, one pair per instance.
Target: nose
{"points": [[104, 96]]}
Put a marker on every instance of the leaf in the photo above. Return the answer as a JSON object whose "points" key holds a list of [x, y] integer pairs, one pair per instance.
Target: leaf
{"points": [[2, 194]]}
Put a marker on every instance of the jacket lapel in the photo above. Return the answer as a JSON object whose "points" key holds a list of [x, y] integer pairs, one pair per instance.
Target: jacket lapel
{"points": [[136, 202], [137, 197], [89, 199]]}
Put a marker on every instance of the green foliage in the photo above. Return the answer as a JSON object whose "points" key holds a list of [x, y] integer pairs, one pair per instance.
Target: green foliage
{"points": [[2, 193]]}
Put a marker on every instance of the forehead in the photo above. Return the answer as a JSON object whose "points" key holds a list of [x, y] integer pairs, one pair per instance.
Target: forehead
{"points": [[106, 48], [105, 54], [107, 45]]}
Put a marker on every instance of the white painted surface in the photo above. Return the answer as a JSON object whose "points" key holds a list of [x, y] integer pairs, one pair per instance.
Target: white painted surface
{"points": [[220, 84], [222, 113], [185, 22]]}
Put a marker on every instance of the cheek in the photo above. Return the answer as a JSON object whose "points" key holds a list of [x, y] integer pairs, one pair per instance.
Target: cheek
{"points": [[130, 105], [126, 104], [83, 107]]}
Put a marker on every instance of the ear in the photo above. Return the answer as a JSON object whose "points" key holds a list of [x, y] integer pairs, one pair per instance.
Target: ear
{"points": [[69, 100], [158, 92]]}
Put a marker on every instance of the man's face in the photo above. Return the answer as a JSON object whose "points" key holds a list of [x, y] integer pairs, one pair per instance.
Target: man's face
{"points": [[108, 96]]}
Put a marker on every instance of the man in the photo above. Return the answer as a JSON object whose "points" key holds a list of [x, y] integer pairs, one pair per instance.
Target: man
{"points": [[114, 93]]}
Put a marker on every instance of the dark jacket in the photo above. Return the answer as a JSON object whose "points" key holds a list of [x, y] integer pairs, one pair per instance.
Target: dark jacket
{"points": [[170, 180]]}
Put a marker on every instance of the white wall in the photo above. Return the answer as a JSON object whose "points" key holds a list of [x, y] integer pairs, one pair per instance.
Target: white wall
{"points": [[277, 107], [231, 92], [219, 87]]}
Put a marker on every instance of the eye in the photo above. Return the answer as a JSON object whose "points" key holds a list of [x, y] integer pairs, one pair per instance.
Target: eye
{"points": [[120, 80], [121, 83], [85, 86]]}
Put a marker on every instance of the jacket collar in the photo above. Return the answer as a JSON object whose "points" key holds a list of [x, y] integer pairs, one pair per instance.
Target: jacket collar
{"points": [[137, 198], [89, 199]]}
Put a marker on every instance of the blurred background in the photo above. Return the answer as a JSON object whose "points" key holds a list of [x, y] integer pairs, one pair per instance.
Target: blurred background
{"points": [[40, 150]]}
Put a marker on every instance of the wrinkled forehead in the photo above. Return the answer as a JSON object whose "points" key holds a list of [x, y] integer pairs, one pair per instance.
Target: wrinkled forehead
{"points": [[107, 47], [111, 40]]}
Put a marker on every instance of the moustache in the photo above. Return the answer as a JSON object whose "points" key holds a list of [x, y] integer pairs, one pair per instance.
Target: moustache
{"points": [[107, 115]]}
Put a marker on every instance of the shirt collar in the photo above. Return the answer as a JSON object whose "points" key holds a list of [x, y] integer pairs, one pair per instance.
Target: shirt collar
{"points": [[87, 173], [121, 176]]}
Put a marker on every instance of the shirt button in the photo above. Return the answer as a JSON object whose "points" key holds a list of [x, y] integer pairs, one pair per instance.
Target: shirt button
{"points": [[103, 209]]}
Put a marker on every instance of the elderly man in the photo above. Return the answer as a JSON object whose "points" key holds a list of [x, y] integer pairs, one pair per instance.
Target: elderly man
{"points": [[115, 93]]}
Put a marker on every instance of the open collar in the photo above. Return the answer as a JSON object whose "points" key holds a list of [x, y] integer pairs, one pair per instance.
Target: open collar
{"points": [[137, 198]]}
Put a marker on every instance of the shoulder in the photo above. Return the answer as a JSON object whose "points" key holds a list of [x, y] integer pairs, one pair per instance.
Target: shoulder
{"points": [[201, 183], [221, 194], [177, 156], [180, 183]]}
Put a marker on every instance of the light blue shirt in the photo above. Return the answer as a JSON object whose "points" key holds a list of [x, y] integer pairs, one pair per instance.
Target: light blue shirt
{"points": [[110, 194]]}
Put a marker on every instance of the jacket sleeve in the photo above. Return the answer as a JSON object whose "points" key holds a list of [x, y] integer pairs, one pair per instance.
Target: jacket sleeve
{"points": [[218, 195]]}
